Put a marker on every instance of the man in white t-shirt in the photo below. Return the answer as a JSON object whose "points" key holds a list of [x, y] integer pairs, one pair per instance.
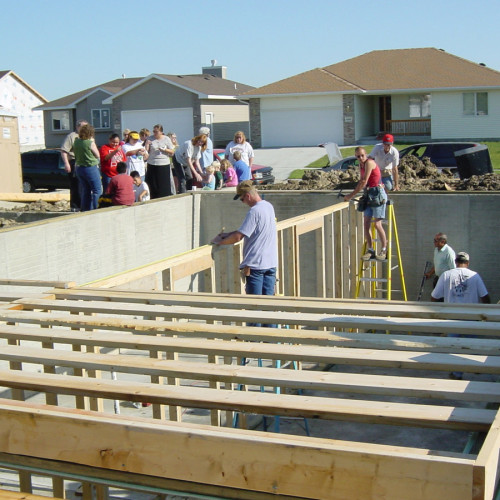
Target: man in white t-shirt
{"points": [[386, 156], [461, 285]]}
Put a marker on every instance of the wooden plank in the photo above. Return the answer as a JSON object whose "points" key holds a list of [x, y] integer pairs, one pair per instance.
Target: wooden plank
{"points": [[30, 197], [280, 317], [369, 307], [372, 412], [487, 466], [38, 283], [18, 495], [414, 343], [259, 376], [288, 352], [234, 458]]}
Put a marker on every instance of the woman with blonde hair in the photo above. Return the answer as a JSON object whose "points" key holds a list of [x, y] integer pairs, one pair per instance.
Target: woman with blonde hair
{"points": [[87, 167], [187, 162], [240, 144], [158, 176]]}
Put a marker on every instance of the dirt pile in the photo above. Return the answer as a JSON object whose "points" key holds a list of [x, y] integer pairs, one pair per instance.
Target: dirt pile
{"points": [[44, 206], [414, 175]]}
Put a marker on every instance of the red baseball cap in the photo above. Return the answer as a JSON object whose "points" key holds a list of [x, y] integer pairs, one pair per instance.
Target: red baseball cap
{"points": [[388, 139]]}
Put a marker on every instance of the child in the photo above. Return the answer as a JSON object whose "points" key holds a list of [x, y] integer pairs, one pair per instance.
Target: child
{"points": [[141, 189], [230, 177], [121, 186], [209, 178], [219, 178], [242, 170]]}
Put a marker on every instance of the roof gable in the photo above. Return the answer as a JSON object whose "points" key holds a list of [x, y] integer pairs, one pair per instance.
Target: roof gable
{"points": [[386, 70], [70, 101], [204, 86], [8, 72]]}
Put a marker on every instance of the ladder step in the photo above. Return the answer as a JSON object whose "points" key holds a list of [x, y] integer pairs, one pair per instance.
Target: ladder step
{"points": [[381, 280]]}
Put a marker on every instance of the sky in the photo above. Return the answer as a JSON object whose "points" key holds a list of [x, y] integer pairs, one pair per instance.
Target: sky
{"points": [[64, 46]]}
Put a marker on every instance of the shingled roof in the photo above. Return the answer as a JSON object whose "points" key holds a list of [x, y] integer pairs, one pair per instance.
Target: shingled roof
{"points": [[388, 70], [70, 101]]}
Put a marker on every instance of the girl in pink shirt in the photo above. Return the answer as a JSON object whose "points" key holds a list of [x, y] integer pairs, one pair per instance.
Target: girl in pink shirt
{"points": [[230, 177]]}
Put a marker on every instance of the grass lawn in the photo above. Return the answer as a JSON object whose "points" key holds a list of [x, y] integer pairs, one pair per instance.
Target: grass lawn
{"points": [[494, 148]]}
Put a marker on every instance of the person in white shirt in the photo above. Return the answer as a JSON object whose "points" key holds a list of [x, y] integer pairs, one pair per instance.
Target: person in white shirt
{"points": [[141, 189], [386, 156], [461, 285]]}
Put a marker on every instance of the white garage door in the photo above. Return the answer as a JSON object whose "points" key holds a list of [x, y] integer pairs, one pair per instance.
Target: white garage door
{"points": [[178, 120], [301, 127]]}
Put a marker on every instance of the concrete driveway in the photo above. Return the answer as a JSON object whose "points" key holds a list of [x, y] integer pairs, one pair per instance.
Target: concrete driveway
{"points": [[285, 160]]}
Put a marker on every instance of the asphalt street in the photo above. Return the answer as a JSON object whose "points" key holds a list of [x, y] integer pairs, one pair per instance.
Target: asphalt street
{"points": [[285, 160]]}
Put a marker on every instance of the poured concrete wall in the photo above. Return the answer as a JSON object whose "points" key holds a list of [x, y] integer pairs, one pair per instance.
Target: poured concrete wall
{"points": [[86, 247]]}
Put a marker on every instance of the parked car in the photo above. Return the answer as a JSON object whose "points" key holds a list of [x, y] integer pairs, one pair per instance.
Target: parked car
{"points": [[440, 153], [43, 168], [260, 173], [344, 164]]}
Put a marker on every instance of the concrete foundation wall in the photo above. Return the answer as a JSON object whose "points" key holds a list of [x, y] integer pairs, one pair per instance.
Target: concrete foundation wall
{"points": [[86, 247]]}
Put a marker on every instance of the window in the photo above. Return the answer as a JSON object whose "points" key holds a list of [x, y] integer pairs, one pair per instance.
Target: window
{"points": [[101, 118], [475, 103], [60, 120], [420, 106]]}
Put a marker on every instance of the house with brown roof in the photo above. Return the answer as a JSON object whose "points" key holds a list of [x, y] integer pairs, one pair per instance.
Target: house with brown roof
{"points": [[61, 114], [181, 103], [21, 100], [411, 93]]}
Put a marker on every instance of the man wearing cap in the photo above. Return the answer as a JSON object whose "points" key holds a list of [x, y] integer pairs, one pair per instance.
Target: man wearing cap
{"points": [[260, 247], [207, 156], [461, 285], [386, 156]]}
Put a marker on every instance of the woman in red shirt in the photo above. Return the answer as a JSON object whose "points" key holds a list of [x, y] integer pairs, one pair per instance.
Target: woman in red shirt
{"points": [[371, 178], [111, 154]]}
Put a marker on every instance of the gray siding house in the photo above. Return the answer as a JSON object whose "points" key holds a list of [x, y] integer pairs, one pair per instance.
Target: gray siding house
{"points": [[181, 103]]}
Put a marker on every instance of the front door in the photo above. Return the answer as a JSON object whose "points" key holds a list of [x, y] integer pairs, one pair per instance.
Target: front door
{"points": [[384, 113]]}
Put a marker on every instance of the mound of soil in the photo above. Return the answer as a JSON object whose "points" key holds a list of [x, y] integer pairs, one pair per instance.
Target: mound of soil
{"points": [[414, 175]]}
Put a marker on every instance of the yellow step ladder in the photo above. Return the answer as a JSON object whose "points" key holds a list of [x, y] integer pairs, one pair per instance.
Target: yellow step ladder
{"points": [[380, 271]]}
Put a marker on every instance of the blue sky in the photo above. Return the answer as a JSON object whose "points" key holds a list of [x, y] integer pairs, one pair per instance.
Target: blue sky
{"points": [[63, 46]]}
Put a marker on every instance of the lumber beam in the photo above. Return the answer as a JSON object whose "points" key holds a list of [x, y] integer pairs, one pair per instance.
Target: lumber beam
{"points": [[233, 458], [417, 343], [285, 318], [457, 390], [369, 412]]}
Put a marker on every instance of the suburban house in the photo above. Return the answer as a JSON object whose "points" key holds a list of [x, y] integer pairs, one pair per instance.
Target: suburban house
{"points": [[425, 93], [181, 103], [61, 115], [20, 99]]}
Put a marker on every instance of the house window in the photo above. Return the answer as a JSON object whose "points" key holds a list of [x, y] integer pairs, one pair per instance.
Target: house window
{"points": [[420, 106], [60, 120], [475, 103], [101, 118]]}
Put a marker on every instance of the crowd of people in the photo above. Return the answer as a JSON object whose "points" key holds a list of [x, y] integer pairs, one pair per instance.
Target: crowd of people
{"points": [[155, 165]]}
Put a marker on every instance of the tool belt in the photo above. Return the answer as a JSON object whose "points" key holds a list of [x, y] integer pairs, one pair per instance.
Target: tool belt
{"points": [[386, 173]]}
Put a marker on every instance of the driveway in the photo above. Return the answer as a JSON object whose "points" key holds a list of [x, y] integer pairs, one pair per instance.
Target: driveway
{"points": [[286, 160]]}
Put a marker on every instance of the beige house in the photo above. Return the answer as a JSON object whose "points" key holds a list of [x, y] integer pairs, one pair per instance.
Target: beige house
{"points": [[424, 93]]}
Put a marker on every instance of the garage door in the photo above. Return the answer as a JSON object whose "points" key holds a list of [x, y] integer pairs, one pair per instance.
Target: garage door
{"points": [[301, 127], [178, 120]]}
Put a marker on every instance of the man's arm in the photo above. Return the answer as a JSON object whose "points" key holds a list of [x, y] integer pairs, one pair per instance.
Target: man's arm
{"points": [[227, 238], [486, 299], [65, 159]]}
